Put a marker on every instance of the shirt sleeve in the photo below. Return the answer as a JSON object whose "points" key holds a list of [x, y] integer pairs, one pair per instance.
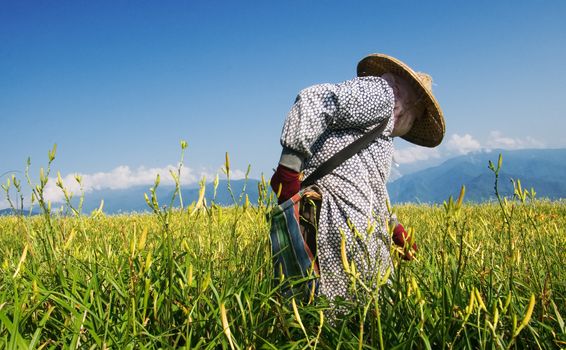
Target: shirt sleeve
{"points": [[314, 108], [358, 103]]}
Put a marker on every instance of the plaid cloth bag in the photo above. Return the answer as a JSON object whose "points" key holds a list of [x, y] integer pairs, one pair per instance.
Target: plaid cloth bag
{"points": [[293, 242], [294, 224]]}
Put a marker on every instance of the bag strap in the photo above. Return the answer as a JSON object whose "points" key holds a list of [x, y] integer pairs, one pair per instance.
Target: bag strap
{"points": [[345, 153]]}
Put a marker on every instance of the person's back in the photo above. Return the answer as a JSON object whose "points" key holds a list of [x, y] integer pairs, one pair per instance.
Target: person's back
{"points": [[326, 118]]}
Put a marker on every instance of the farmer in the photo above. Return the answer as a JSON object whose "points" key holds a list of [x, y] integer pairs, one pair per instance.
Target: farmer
{"points": [[327, 117]]}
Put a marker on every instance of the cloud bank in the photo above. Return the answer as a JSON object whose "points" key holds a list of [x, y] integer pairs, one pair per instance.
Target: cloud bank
{"points": [[498, 140], [456, 145], [123, 177], [415, 154], [462, 144]]}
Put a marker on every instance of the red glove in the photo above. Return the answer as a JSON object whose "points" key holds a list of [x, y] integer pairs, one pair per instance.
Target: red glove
{"points": [[401, 237], [286, 179]]}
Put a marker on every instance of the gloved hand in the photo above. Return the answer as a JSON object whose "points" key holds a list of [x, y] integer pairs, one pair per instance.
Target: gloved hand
{"points": [[402, 239], [288, 180]]}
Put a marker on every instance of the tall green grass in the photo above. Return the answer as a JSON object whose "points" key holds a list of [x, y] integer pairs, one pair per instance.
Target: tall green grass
{"points": [[485, 276]]}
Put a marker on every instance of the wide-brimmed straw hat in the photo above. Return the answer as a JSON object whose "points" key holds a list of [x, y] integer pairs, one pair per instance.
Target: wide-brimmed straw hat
{"points": [[428, 130]]}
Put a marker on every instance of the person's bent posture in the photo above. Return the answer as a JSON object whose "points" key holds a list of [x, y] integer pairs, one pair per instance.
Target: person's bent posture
{"points": [[326, 118]]}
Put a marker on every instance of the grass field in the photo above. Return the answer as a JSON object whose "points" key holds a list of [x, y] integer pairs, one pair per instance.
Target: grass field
{"points": [[486, 276]]}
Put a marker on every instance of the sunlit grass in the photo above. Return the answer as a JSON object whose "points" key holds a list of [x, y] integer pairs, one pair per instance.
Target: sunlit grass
{"points": [[485, 276]]}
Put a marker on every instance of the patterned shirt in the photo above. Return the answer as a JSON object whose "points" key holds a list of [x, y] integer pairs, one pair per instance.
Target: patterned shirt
{"points": [[324, 119]]}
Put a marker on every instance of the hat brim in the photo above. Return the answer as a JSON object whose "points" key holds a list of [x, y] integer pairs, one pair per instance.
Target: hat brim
{"points": [[429, 129]]}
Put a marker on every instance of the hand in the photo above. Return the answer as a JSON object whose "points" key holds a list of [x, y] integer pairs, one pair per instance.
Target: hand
{"points": [[402, 239], [286, 180]]}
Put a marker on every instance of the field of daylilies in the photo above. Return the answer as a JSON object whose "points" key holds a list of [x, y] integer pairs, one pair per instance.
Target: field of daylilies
{"points": [[486, 276]]}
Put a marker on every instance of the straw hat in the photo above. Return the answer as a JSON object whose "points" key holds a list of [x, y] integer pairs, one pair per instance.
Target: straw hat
{"points": [[428, 130]]}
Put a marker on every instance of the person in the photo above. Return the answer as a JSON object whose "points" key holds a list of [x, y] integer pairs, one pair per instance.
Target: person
{"points": [[327, 117]]}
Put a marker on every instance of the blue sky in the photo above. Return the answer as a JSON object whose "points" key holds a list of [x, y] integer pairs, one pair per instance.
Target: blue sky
{"points": [[118, 84]]}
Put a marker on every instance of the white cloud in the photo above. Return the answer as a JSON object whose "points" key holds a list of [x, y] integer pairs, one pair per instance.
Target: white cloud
{"points": [[237, 174], [498, 140], [414, 154], [462, 144], [467, 143], [123, 177]]}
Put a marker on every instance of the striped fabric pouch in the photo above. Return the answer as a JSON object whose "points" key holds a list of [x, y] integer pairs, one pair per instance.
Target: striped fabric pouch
{"points": [[293, 243]]}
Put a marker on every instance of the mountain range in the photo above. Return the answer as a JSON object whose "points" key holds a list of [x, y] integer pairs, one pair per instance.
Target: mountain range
{"points": [[542, 169], [132, 199]]}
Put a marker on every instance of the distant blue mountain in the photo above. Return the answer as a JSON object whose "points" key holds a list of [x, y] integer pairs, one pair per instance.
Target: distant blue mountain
{"points": [[132, 199], [542, 169], [25, 212]]}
